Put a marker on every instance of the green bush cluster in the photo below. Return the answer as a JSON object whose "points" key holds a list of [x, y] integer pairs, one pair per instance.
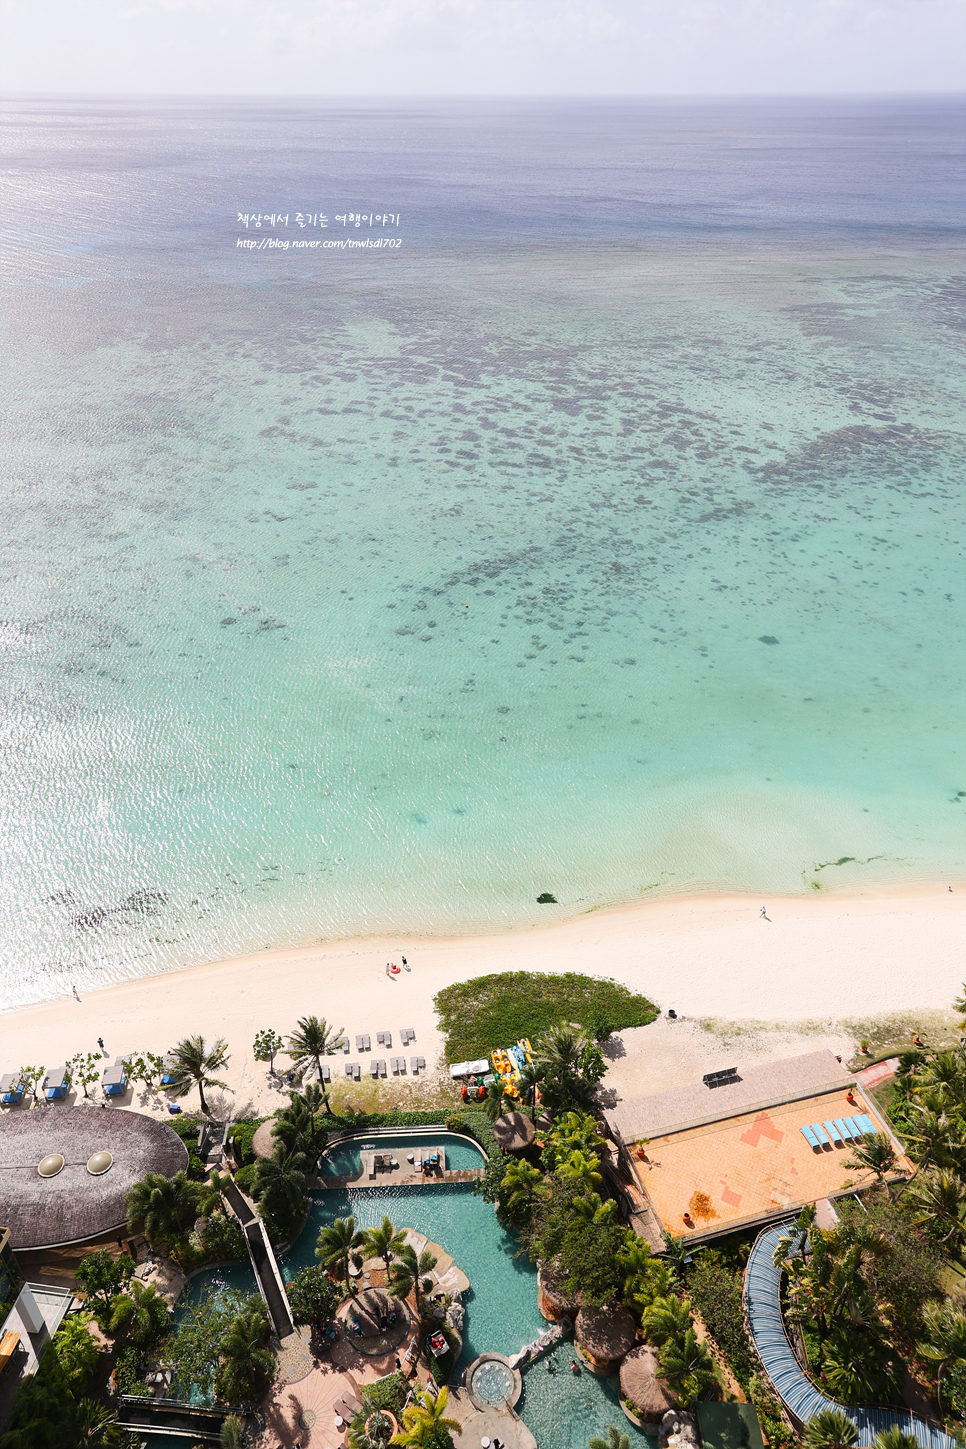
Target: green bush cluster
{"points": [[242, 1134], [312, 1295], [127, 1368], [716, 1295], [495, 1011]]}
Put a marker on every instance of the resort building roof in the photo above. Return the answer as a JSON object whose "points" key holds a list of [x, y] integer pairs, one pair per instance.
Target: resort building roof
{"points": [[79, 1194], [746, 1090]]}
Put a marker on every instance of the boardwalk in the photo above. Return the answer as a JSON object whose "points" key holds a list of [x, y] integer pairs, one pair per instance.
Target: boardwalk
{"points": [[800, 1396]]}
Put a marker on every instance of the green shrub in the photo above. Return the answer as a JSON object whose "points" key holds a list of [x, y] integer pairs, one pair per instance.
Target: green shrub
{"points": [[312, 1295], [494, 1011], [241, 1135], [127, 1369], [456, 1122], [245, 1177], [389, 1393], [716, 1296]]}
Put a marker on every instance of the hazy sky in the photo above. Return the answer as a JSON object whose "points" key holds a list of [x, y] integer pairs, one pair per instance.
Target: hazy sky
{"points": [[449, 47]]}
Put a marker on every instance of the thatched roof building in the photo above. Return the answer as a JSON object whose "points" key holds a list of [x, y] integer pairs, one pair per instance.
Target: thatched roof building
{"points": [[606, 1334], [650, 1394], [83, 1199], [514, 1131]]}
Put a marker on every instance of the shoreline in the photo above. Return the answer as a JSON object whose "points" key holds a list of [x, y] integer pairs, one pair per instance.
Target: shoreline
{"points": [[813, 964]]}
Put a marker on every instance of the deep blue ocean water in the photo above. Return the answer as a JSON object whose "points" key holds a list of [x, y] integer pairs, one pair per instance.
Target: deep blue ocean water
{"points": [[605, 536]]}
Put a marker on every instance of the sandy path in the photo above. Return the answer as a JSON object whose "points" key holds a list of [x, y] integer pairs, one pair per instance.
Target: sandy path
{"points": [[814, 960]]}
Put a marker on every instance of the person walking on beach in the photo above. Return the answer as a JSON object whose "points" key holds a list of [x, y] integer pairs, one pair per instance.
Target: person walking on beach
{"points": [[100, 1042], [74, 989]]}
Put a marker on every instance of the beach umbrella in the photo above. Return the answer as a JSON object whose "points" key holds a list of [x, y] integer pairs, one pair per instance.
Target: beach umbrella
{"points": [[606, 1334], [514, 1131], [641, 1382]]}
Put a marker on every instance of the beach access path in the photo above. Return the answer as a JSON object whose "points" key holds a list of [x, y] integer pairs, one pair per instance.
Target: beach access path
{"points": [[817, 960]]}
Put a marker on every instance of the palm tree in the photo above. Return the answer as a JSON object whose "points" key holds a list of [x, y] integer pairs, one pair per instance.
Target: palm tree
{"points": [[873, 1154], [162, 1207], [857, 1368], [666, 1319], [678, 1254], [423, 1421], [338, 1245], [830, 1429], [939, 1198], [246, 1364], [383, 1242], [615, 1440], [411, 1274], [592, 1210], [495, 1103], [685, 1358], [292, 1127], [520, 1180], [193, 1064], [314, 1098], [531, 1076], [232, 1435], [895, 1438], [97, 1426], [313, 1039], [143, 1312], [279, 1187], [796, 1241], [559, 1054], [944, 1341], [581, 1168]]}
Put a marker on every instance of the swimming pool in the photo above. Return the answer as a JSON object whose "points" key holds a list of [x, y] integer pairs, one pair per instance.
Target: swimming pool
{"points": [[344, 1158], [561, 1410]]}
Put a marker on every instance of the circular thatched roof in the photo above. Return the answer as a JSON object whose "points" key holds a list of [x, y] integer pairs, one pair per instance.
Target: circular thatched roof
{"points": [[606, 1333], [514, 1131], [651, 1395], [77, 1205]]}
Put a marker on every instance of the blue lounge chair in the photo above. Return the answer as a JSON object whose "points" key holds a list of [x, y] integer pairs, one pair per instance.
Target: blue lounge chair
{"points": [[11, 1089], [55, 1083], [834, 1133], [822, 1139], [854, 1128], [810, 1137], [844, 1128], [866, 1124]]}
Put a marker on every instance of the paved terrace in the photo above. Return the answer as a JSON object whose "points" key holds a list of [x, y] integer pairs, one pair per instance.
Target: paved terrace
{"points": [[756, 1087]]}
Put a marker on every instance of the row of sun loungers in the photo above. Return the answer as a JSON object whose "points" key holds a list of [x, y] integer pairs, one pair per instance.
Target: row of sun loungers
{"points": [[383, 1039], [56, 1083], [839, 1132], [377, 1068]]}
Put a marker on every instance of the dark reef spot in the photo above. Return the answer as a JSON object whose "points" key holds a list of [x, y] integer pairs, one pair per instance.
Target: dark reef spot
{"points": [[546, 899], [226, 621], [767, 639]]}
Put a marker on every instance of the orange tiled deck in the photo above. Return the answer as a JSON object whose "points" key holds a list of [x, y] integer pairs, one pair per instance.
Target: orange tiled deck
{"points": [[746, 1167]]}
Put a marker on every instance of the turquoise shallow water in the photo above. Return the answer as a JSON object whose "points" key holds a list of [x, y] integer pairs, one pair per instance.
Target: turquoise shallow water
{"points": [[605, 539]]}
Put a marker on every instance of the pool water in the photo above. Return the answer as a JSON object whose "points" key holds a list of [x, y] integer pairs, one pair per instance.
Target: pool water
{"points": [[492, 1382], [563, 1410], [344, 1159]]}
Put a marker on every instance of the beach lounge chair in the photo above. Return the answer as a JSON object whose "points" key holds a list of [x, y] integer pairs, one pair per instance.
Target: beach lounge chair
{"points": [[356, 1072], [55, 1083], [418, 1161], [326, 1073], [866, 1124], [377, 1161], [359, 1041], [344, 1045], [844, 1128], [373, 1068], [853, 1127], [382, 1068], [385, 1038], [168, 1074], [114, 1079], [810, 1137], [834, 1133], [822, 1139], [367, 1043], [420, 1063], [11, 1089], [408, 1036], [348, 1068]]}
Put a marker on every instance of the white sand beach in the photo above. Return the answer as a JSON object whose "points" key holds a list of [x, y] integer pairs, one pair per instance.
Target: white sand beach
{"points": [[810, 967]]}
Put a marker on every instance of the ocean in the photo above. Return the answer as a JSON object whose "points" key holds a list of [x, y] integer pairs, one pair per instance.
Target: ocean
{"points": [[597, 528]]}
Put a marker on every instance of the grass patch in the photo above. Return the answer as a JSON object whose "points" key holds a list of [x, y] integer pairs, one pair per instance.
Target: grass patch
{"points": [[494, 1011]]}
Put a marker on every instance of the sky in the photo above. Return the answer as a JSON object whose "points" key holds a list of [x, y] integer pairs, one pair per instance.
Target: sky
{"points": [[482, 47]]}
